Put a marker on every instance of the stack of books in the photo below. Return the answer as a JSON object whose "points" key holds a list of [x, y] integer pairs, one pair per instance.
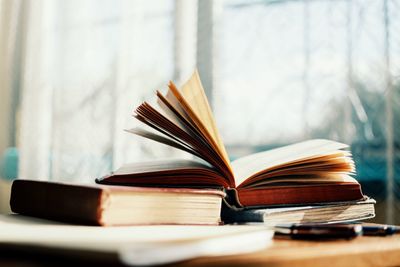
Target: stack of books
{"points": [[307, 182]]}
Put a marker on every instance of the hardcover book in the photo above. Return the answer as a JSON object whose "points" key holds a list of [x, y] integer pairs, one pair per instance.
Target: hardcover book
{"points": [[115, 205], [314, 171]]}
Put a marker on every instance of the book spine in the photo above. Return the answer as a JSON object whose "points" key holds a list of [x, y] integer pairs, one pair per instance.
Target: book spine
{"points": [[52, 201]]}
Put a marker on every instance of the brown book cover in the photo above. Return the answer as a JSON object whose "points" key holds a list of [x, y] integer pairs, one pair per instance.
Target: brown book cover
{"points": [[312, 171], [115, 205]]}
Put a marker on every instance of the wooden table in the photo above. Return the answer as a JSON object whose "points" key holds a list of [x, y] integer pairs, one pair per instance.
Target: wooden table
{"points": [[362, 251]]}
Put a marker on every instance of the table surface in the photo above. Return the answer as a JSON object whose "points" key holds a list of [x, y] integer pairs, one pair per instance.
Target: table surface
{"points": [[362, 251]]}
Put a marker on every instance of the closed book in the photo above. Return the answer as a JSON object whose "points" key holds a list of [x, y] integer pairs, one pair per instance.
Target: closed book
{"points": [[115, 205], [338, 212]]}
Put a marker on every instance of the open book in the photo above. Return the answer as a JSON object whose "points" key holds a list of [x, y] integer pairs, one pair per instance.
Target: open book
{"points": [[314, 171]]}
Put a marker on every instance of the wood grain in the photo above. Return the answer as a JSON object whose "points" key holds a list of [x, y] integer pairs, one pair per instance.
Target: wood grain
{"points": [[362, 251]]}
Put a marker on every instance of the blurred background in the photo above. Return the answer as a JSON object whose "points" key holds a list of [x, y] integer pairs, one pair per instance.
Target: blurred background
{"points": [[276, 72]]}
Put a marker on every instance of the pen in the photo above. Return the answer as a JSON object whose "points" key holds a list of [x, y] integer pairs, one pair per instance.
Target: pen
{"points": [[319, 231], [380, 230]]}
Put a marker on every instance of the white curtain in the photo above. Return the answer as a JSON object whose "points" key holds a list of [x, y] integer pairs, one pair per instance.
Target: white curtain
{"points": [[88, 64], [9, 14]]}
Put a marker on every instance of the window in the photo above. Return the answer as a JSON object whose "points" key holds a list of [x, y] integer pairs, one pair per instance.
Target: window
{"points": [[276, 71]]}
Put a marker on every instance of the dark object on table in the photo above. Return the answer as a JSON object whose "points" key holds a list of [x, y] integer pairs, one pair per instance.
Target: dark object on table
{"points": [[319, 231]]}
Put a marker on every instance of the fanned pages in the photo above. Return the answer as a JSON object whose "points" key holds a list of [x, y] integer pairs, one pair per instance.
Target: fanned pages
{"points": [[185, 115], [305, 158], [194, 95], [205, 124], [307, 172]]}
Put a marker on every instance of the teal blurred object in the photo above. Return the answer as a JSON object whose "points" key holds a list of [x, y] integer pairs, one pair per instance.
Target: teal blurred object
{"points": [[9, 164]]}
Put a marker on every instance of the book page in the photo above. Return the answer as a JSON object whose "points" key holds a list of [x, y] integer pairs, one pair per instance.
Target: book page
{"points": [[173, 128], [168, 113], [192, 104], [154, 166], [169, 141], [194, 94], [17, 229], [251, 165], [309, 180]]}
